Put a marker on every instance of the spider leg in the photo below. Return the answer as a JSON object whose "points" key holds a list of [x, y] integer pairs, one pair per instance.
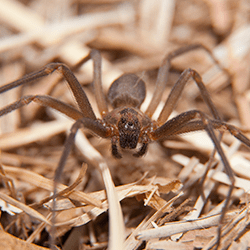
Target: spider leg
{"points": [[46, 101], [181, 125], [100, 97], [114, 148], [142, 150], [171, 128], [217, 124], [93, 125], [75, 86], [162, 76], [177, 90]]}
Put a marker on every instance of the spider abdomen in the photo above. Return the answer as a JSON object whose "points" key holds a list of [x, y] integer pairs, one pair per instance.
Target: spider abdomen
{"points": [[127, 90]]}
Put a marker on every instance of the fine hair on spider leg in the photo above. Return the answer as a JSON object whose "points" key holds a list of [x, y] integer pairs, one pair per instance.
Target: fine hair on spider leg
{"points": [[126, 125]]}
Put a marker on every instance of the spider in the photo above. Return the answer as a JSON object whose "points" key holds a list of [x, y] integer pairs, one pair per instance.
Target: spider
{"points": [[126, 125]]}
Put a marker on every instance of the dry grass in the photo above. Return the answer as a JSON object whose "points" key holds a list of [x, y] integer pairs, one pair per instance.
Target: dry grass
{"points": [[161, 201]]}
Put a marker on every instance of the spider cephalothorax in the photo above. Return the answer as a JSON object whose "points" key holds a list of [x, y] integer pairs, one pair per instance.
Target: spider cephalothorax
{"points": [[129, 128]]}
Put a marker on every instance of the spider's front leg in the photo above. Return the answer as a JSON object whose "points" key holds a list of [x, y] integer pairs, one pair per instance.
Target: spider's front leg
{"points": [[176, 125], [190, 126], [93, 125]]}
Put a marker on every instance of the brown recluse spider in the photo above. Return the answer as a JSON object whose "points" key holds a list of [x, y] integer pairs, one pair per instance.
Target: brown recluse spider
{"points": [[126, 125]]}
